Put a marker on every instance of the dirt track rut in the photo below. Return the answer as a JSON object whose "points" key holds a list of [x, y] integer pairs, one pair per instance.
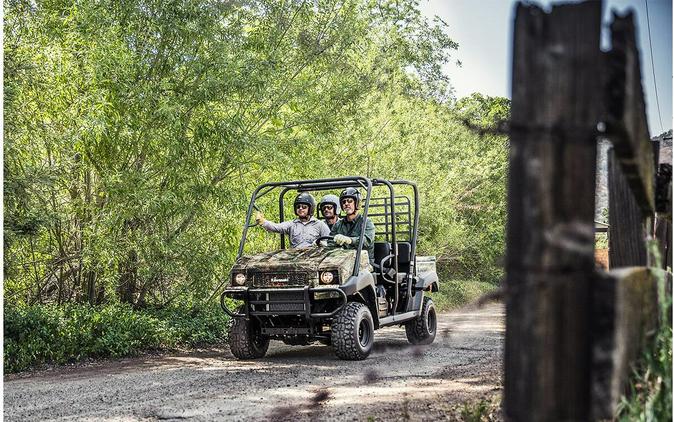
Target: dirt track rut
{"points": [[397, 381]]}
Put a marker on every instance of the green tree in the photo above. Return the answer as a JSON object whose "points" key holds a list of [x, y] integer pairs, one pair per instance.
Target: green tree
{"points": [[136, 130]]}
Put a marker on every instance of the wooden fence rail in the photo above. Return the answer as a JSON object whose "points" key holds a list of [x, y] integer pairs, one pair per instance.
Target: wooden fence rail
{"points": [[573, 331]]}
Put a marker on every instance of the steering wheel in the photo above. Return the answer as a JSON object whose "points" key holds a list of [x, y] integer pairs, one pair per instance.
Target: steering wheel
{"points": [[318, 241]]}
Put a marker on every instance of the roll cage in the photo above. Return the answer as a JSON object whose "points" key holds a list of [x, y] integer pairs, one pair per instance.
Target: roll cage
{"points": [[391, 220]]}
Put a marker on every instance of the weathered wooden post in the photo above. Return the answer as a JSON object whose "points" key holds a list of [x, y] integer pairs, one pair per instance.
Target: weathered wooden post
{"points": [[627, 225], [574, 333], [556, 92], [631, 165], [625, 309]]}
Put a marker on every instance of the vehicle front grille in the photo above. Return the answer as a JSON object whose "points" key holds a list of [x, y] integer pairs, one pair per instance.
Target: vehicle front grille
{"points": [[282, 296], [281, 279], [274, 301]]}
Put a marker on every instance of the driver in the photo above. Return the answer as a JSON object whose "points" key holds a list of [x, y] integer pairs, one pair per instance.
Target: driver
{"points": [[347, 230], [329, 207], [305, 229]]}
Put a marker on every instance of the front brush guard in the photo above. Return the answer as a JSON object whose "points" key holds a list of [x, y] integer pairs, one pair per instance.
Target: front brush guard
{"points": [[245, 293]]}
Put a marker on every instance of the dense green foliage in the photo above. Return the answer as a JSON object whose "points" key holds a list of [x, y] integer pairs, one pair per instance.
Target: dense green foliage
{"points": [[136, 131], [455, 293], [40, 334]]}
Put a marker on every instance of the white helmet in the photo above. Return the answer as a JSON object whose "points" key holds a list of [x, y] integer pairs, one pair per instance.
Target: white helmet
{"points": [[331, 199]]}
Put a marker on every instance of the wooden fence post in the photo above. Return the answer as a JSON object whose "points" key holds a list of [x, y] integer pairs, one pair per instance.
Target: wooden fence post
{"points": [[626, 122], [624, 301], [550, 237], [624, 314], [627, 228]]}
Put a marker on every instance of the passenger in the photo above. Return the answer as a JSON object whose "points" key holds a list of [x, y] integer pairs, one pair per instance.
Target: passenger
{"points": [[347, 230], [329, 207], [305, 229]]}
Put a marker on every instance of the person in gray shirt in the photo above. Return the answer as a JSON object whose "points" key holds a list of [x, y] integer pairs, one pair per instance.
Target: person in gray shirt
{"points": [[305, 229]]}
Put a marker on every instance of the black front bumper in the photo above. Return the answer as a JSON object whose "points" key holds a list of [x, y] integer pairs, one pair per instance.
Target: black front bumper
{"points": [[286, 301]]}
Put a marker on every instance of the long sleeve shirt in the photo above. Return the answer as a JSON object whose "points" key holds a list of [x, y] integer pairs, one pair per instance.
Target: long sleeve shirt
{"points": [[302, 234], [353, 229]]}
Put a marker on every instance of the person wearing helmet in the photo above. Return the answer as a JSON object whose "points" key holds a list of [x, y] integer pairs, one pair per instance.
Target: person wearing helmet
{"points": [[347, 230], [329, 208], [302, 231]]}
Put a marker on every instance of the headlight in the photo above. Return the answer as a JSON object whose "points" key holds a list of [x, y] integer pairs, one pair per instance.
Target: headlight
{"points": [[327, 277], [326, 295], [240, 279]]}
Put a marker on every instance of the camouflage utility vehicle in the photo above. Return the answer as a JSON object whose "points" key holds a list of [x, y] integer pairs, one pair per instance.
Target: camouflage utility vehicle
{"points": [[328, 293]]}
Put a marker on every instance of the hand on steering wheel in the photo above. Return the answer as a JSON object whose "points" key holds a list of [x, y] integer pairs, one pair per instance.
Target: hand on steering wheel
{"points": [[321, 238]]}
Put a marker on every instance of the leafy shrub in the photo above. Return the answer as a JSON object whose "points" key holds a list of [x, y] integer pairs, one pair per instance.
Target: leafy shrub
{"points": [[486, 409], [455, 293], [41, 334]]}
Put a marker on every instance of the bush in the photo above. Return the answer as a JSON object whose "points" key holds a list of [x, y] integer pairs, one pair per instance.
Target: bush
{"points": [[40, 334], [457, 293]]}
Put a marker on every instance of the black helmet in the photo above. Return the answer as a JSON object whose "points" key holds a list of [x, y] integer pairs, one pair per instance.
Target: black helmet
{"points": [[305, 198], [350, 193]]}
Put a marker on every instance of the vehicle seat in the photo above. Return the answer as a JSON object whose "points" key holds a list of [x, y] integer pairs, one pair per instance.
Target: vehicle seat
{"points": [[383, 257], [381, 251], [404, 256]]}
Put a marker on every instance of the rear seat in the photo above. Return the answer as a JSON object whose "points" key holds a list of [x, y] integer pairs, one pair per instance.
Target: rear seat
{"points": [[404, 256], [383, 249]]}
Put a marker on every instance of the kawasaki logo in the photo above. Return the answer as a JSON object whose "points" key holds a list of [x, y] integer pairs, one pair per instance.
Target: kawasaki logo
{"points": [[279, 280]]}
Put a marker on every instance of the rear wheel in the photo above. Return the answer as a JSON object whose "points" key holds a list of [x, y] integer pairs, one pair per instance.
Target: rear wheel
{"points": [[353, 332], [246, 340], [423, 328]]}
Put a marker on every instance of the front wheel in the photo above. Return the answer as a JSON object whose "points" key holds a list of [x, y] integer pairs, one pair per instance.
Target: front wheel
{"points": [[353, 332], [421, 330], [245, 339]]}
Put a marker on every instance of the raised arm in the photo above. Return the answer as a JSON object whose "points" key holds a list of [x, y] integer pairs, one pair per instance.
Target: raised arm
{"points": [[283, 227]]}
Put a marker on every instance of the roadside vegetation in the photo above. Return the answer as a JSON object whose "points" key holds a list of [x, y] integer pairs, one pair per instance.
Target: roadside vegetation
{"points": [[487, 409], [135, 133], [650, 395], [455, 293], [40, 334], [650, 391]]}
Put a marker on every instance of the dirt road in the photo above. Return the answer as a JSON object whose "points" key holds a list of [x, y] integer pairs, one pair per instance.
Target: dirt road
{"points": [[397, 382]]}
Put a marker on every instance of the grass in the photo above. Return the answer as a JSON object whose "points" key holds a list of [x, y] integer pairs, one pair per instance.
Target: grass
{"points": [[455, 293], [486, 409], [650, 397], [48, 334]]}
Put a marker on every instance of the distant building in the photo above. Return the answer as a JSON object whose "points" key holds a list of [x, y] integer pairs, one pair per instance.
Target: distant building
{"points": [[601, 180], [665, 147]]}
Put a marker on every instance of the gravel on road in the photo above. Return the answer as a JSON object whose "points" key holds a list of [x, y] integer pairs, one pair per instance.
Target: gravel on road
{"points": [[397, 382]]}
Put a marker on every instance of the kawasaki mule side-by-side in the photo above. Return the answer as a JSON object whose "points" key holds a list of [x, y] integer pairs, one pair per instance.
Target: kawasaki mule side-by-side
{"points": [[332, 294]]}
